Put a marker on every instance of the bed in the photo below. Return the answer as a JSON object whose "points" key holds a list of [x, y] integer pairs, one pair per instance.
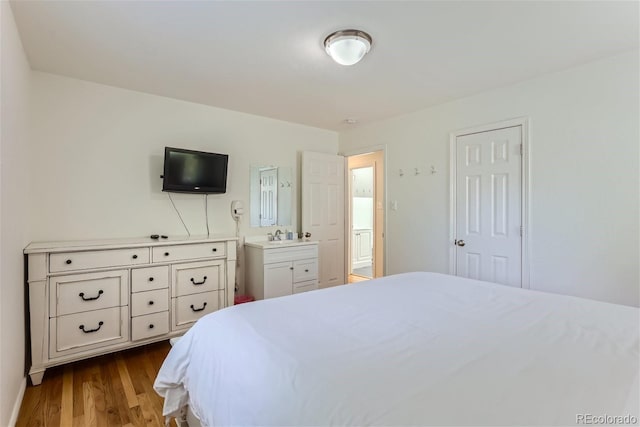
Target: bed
{"points": [[409, 349]]}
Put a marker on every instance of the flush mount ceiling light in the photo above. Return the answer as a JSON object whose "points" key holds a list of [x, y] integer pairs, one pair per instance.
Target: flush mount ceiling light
{"points": [[347, 47]]}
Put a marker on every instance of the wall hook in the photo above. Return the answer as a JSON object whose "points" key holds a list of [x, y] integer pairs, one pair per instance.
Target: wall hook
{"points": [[417, 171], [433, 169], [401, 172]]}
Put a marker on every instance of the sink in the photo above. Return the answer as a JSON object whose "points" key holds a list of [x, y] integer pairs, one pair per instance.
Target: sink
{"points": [[279, 242]]}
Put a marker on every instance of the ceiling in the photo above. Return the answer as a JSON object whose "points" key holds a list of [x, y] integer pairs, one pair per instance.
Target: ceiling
{"points": [[266, 57]]}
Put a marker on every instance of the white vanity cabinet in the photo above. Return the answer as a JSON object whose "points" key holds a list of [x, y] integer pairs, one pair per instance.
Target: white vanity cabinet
{"points": [[275, 269], [92, 298], [362, 247]]}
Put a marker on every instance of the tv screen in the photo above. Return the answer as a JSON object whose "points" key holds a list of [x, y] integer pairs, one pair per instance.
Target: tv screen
{"points": [[188, 171]]}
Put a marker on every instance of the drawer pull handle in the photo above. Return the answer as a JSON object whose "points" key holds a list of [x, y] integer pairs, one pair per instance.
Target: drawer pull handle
{"points": [[204, 279], [81, 295], [151, 279], [306, 270], [199, 309], [88, 331], [135, 256], [215, 249], [150, 302], [290, 268], [166, 254], [151, 326], [68, 261]]}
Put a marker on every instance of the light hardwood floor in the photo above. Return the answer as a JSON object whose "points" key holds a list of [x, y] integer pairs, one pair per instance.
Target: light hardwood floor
{"points": [[111, 390], [355, 279]]}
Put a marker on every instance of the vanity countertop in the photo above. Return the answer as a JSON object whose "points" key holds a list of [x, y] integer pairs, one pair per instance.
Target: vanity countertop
{"points": [[264, 244]]}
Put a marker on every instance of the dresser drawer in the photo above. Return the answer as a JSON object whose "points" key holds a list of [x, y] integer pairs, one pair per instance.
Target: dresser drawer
{"points": [[77, 293], [304, 270], [149, 302], [149, 278], [198, 277], [71, 261], [186, 252], [148, 326], [187, 309], [83, 331]]}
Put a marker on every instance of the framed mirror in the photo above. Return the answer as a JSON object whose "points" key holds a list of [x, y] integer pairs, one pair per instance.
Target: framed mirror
{"points": [[271, 196]]}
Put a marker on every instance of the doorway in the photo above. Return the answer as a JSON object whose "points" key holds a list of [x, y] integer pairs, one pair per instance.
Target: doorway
{"points": [[489, 182], [365, 190]]}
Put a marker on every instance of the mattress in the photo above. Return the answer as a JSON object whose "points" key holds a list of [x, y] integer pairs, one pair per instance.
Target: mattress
{"points": [[409, 349]]}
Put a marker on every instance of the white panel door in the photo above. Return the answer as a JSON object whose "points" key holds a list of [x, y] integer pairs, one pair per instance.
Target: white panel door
{"points": [[323, 212], [488, 206], [268, 197]]}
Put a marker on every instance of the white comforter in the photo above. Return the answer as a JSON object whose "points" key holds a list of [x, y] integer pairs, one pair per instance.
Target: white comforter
{"points": [[410, 349]]}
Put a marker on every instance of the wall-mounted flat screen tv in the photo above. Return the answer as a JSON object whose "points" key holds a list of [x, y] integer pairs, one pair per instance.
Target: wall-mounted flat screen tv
{"points": [[188, 171]]}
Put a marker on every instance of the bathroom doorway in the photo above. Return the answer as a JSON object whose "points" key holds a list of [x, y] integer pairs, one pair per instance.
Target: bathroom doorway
{"points": [[366, 216]]}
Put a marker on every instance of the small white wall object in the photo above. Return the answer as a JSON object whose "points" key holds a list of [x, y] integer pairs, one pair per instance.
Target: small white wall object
{"points": [[237, 209]]}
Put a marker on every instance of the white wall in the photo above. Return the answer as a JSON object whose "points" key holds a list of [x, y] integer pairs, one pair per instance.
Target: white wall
{"points": [[584, 177], [362, 210], [97, 154], [14, 183]]}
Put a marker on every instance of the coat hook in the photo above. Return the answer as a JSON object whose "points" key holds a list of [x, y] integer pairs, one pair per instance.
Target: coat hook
{"points": [[401, 172], [417, 171], [433, 169]]}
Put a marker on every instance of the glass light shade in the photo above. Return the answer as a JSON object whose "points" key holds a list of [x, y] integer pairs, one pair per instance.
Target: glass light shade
{"points": [[347, 47]]}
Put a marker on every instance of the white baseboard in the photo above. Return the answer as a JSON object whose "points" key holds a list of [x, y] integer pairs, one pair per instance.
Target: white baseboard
{"points": [[18, 403]]}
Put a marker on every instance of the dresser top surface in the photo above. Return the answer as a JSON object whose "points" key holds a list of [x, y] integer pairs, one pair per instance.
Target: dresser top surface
{"points": [[135, 242]]}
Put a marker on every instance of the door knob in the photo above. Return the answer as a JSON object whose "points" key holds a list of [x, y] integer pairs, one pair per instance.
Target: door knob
{"points": [[460, 242]]}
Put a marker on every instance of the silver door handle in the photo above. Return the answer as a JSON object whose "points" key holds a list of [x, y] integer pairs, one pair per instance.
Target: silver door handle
{"points": [[460, 242]]}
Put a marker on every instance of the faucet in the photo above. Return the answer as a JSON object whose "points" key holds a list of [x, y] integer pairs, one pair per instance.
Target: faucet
{"points": [[277, 235]]}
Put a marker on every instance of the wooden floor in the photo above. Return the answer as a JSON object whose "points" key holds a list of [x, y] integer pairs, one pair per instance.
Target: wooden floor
{"points": [[111, 390], [355, 278]]}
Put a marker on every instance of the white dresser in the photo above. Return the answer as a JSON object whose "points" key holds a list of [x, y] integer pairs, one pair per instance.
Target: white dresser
{"points": [[92, 298], [275, 269]]}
